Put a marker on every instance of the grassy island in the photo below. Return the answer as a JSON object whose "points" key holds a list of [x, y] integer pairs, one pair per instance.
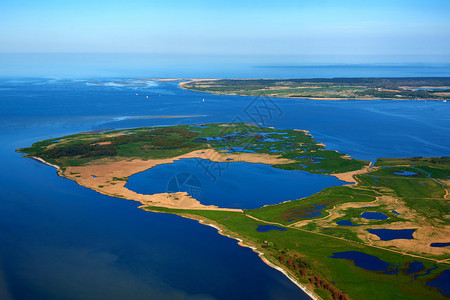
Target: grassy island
{"points": [[410, 194], [432, 88]]}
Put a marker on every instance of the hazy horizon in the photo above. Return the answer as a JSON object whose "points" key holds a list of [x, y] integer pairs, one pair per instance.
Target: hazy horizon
{"points": [[325, 27], [168, 38]]}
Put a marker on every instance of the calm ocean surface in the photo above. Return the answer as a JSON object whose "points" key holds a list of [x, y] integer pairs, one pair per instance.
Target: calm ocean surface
{"points": [[62, 241]]}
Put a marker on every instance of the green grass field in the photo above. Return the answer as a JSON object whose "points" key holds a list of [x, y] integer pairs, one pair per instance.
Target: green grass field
{"points": [[313, 251]]}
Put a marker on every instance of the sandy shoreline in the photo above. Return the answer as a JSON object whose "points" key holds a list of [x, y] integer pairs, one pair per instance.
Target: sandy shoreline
{"points": [[265, 260], [46, 163], [349, 176], [241, 243]]}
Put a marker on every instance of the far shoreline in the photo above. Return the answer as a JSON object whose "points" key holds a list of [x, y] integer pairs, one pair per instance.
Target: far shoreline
{"points": [[183, 82]]}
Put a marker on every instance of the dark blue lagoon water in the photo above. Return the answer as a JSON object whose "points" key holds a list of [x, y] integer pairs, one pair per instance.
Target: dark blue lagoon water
{"points": [[439, 244], [363, 260], [230, 184], [62, 241], [266, 228], [441, 283], [393, 234], [374, 216], [414, 267], [346, 223]]}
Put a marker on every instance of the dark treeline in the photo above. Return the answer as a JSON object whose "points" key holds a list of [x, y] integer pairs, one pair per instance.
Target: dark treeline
{"points": [[303, 269], [422, 94], [82, 150], [158, 139]]}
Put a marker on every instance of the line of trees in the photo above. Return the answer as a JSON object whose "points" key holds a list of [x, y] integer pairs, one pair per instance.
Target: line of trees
{"points": [[163, 138], [422, 94], [302, 268], [82, 150]]}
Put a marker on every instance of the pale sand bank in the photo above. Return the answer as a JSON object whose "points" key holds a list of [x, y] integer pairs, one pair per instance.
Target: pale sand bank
{"points": [[349, 176], [46, 163]]}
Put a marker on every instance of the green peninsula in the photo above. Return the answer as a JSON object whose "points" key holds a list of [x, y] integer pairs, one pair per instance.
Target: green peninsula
{"points": [[421, 88], [412, 193]]}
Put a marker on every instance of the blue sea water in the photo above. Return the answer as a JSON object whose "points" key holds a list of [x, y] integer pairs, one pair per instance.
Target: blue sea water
{"points": [[63, 241], [230, 184]]}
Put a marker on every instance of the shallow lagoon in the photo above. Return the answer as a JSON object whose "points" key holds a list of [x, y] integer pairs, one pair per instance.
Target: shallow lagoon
{"points": [[231, 184]]}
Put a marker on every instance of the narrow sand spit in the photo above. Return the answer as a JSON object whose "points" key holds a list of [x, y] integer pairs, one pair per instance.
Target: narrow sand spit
{"points": [[349, 176], [195, 80], [109, 177]]}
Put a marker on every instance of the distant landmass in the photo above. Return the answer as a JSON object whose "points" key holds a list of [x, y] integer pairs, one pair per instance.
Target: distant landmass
{"points": [[416, 88]]}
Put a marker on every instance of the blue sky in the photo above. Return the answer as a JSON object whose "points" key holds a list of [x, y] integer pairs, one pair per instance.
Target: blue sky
{"points": [[312, 27]]}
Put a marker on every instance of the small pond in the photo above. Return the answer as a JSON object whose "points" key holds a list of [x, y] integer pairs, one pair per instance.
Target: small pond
{"points": [[439, 244], [266, 228], [442, 283], [393, 234], [374, 216], [363, 260], [346, 223], [406, 173], [414, 267]]}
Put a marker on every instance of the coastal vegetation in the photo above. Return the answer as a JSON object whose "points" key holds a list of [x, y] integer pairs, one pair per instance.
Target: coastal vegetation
{"points": [[164, 142], [306, 237], [333, 88]]}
